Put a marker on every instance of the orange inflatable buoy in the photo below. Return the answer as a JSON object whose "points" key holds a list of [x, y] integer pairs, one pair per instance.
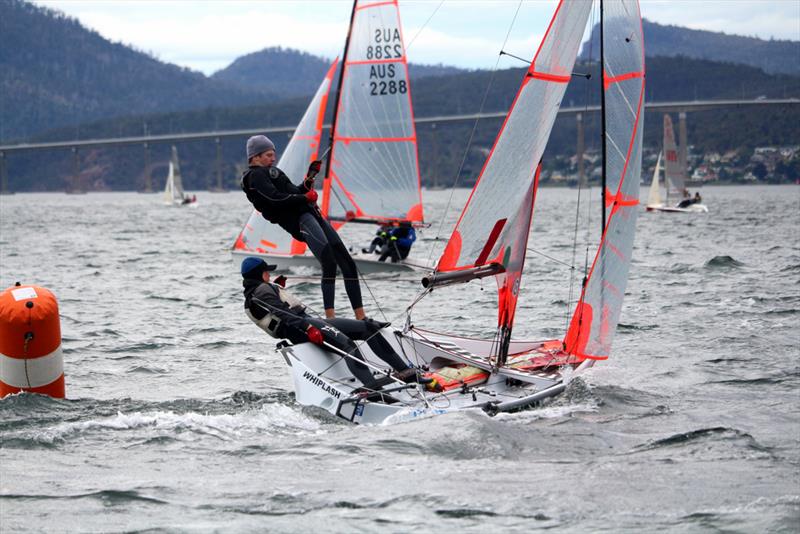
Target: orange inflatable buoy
{"points": [[30, 342]]}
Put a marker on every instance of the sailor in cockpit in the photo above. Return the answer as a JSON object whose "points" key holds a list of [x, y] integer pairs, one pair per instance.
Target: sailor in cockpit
{"points": [[283, 316]]}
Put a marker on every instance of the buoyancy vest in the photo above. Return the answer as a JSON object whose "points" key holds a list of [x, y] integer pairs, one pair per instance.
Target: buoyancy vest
{"points": [[271, 322]]}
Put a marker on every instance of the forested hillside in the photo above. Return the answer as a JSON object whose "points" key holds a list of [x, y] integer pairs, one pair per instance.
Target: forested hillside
{"points": [[442, 147], [61, 81], [54, 72], [774, 56], [289, 73]]}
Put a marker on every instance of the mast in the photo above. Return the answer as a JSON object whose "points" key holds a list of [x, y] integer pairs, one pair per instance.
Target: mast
{"points": [[326, 187], [603, 125]]}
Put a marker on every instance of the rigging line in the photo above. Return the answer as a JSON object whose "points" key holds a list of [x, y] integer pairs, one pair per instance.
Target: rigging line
{"points": [[423, 26], [474, 128], [572, 267]]}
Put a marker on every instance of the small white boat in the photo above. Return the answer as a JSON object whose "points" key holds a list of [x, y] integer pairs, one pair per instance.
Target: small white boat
{"points": [[491, 240], [672, 174], [174, 195]]}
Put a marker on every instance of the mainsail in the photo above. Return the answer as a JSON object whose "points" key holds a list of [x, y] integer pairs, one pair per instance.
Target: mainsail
{"points": [[259, 235], [597, 313], [173, 190], [374, 172], [672, 165], [494, 225], [654, 195]]}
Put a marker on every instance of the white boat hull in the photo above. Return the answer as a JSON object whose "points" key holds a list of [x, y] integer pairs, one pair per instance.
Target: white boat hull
{"points": [[322, 379], [364, 264], [692, 208]]}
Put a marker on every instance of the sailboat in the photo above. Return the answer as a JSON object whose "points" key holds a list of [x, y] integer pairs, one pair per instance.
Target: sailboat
{"points": [[673, 174], [372, 172], [173, 190], [490, 239]]}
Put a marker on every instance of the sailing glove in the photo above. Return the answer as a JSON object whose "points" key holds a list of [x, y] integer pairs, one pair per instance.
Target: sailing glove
{"points": [[315, 335], [314, 168], [311, 196]]}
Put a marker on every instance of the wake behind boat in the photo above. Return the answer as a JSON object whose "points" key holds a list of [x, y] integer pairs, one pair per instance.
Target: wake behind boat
{"points": [[490, 240]]}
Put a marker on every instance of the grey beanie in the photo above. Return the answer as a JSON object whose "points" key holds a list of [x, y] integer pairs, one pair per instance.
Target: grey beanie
{"points": [[258, 144]]}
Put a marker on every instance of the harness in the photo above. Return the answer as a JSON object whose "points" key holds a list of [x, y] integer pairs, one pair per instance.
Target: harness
{"points": [[271, 322]]}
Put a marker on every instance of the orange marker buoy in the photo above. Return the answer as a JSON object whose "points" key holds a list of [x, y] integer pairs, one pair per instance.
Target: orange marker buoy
{"points": [[30, 342]]}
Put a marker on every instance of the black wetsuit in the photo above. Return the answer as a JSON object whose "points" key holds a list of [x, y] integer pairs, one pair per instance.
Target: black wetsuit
{"points": [[399, 244], [281, 202], [263, 298], [277, 199], [381, 236]]}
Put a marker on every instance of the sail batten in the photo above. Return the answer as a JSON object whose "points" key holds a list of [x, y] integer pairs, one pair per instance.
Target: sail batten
{"points": [[495, 223]]}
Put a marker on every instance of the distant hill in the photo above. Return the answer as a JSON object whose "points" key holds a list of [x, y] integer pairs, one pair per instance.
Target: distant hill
{"points": [[441, 148], [773, 56], [288, 73], [55, 72]]}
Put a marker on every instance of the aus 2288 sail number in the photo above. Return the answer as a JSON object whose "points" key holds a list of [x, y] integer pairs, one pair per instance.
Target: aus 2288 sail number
{"points": [[378, 84]]}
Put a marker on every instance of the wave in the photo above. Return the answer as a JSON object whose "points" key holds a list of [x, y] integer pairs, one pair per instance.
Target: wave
{"points": [[719, 433], [147, 426], [723, 263], [106, 496], [34, 421], [138, 347]]}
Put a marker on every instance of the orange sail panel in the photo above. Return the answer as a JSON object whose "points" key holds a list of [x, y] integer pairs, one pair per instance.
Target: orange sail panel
{"points": [[374, 167], [258, 234], [495, 223], [597, 313]]}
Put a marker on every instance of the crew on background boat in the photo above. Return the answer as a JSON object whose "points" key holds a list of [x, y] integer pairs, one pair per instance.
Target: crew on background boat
{"points": [[687, 199], [283, 316], [399, 245], [381, 238], [294, 208]]}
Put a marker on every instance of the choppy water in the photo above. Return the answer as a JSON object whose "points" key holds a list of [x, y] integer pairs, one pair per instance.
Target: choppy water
{"points": [[180, 414]]}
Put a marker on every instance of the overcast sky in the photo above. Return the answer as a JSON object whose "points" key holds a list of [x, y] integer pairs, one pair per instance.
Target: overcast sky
{"points": [[208, 35]]}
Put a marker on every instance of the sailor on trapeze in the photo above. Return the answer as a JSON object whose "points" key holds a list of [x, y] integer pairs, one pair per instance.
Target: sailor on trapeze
{"points": [[294, 208], [283, 316]]}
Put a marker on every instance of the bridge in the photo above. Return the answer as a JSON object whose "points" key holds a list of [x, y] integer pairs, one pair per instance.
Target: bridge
{"points": [[146, 141]]}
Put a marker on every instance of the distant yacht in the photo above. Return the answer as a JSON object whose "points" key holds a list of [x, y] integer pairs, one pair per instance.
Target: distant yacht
{"points": [[673, 174], [173, 190]]}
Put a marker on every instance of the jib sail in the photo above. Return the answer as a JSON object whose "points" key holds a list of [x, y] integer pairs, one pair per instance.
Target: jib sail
{"points": [[596, 316], [495, 223]]}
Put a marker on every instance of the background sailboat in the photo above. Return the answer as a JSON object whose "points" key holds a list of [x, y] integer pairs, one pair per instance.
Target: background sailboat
{"points": [[490, 239], [673, 174], [372, 172], [174, 194]]}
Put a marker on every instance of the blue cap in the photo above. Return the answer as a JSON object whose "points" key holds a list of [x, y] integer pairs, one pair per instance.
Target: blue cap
{"points": [[251, 265]]}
